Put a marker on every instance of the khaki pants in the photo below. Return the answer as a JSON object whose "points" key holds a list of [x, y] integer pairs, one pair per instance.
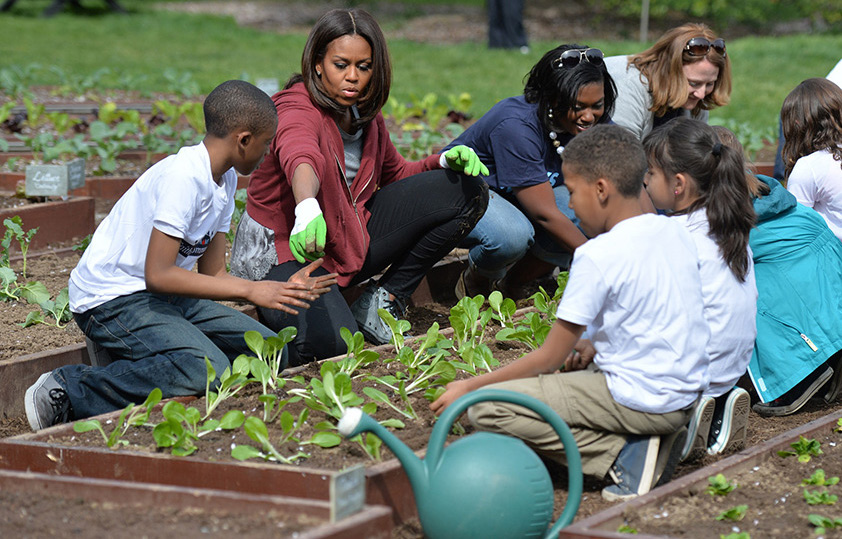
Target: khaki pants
{"points": [[598, 423]]}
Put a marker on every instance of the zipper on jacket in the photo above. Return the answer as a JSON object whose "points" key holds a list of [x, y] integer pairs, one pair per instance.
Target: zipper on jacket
{"points": [[806, 339], [352, 198]]}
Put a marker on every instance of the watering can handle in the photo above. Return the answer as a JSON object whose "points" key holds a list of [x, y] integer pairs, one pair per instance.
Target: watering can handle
{"points": [[571, 451]]}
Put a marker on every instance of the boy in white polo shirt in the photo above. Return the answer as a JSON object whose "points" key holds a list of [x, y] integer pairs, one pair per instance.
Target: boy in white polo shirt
{"points": [[635, 286], [133, 291]]}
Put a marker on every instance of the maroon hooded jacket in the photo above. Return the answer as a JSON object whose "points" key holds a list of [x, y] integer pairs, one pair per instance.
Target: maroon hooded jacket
{"points": [[308, 134]]}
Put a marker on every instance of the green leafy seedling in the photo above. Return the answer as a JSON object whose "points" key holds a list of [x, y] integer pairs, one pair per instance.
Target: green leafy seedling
{"points": [[823, 523], [357, 355], [735, 514], [58, 309], [735, 535], [719, 485], [14, 230], [256, 430], [231, 382], [838, 425], [133, 415], [804, 449], [819, 497], [625, 528], [820, 480]]}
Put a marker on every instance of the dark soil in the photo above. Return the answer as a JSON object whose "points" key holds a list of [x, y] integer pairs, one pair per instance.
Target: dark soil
{"points": [[773, 492], [53, 270], [440, 24], [31, 514]]}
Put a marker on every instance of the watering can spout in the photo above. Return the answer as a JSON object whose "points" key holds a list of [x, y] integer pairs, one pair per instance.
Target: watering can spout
{"points": [[354, 421]]}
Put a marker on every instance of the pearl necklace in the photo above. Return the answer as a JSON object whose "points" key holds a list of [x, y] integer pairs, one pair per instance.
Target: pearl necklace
{"points": [[558, 147]]}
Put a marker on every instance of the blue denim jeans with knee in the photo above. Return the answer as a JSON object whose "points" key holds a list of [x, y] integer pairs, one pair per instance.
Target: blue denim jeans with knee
{"points": [[156, 341], [505, 234]]}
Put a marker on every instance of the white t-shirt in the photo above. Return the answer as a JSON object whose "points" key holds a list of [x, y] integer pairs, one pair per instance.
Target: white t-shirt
{"points": [[637, 289], [176, 196], [730, 308], [816, 182]]}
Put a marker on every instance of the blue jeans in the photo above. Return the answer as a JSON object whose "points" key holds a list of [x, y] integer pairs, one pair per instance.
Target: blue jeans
{"points": [[156, 341], [505, 234]]}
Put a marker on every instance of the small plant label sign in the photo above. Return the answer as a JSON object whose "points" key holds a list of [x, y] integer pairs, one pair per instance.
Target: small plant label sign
{"points": [[347, 492], [55, 180]]}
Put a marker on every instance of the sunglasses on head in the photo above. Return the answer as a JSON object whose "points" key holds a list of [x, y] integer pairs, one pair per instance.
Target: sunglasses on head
{"points": [[700, 46], [574, 57]]}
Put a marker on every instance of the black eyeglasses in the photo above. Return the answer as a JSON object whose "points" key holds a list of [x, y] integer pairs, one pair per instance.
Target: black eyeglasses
{"points": [[574, 57], [700, 46]]}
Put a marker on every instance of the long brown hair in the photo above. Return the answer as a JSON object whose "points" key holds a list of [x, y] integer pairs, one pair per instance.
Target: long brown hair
{"points": [[335, 24], [811, 117], [662, 64], [689, 146]]}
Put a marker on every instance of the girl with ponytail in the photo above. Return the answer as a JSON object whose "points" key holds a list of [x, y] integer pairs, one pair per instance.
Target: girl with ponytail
{"points": [[699, 180]]}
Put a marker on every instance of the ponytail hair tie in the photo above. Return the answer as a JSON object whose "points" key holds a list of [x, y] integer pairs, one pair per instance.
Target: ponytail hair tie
{"points": [[717, 149]]}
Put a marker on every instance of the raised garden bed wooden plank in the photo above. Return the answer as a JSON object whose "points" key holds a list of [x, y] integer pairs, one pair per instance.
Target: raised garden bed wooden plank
{"points": [[372, 521], [56, 221], [16, 375], [604, 524], [386, 483]]}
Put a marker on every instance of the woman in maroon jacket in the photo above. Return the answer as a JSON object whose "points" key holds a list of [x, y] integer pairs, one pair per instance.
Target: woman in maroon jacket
{"points": [[333, 185]]}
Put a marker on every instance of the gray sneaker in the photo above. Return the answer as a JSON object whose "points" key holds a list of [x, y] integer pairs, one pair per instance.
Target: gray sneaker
{"points": [[365, 313], [46, 403], [644, 463]]}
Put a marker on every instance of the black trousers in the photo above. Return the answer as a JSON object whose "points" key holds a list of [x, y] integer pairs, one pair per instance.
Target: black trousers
{"points": [[414, 223], [505, 24]]}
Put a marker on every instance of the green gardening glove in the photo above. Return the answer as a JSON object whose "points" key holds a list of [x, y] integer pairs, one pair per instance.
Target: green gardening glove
{"points": [[307, 239], [463, 159]]}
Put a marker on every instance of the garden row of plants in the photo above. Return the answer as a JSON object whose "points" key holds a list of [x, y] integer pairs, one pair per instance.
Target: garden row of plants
{"points": [[423, 124], [52, 311], [818, 489], [58, 136], [418, 367]]}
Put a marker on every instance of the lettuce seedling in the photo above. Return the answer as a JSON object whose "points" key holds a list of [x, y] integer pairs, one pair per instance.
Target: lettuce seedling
{"points": [[133, 415], [823, 524], [270, 350], [256, 430], [58, 309], [468, 322], [331, 394], [398, 327], [820, 480], [357, 355], [232, 381], [502, 309], [719, 485], [14, 229], [625, 528], [820, 498], [378, 396], [804, 449], [734, 514], [182, 426], [735, 535]]}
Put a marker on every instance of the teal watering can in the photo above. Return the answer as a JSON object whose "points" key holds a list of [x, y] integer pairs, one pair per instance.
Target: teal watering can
{"points": [[486, 484]]}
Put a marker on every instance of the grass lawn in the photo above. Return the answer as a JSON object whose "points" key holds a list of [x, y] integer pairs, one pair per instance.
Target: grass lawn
{"points": [[154, 51]]}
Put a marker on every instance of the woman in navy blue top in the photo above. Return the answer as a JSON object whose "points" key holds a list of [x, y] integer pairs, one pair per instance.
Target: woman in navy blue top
{"points": [[521, 140]]}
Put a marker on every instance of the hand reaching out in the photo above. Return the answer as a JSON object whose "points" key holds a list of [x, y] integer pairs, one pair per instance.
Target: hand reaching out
{"points": [[298, 291], [319, 284], [453, 391]]}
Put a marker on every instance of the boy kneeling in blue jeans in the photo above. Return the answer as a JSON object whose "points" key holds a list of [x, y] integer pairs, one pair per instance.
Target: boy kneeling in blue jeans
{"points": [[635, 286], [133, 291]]}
